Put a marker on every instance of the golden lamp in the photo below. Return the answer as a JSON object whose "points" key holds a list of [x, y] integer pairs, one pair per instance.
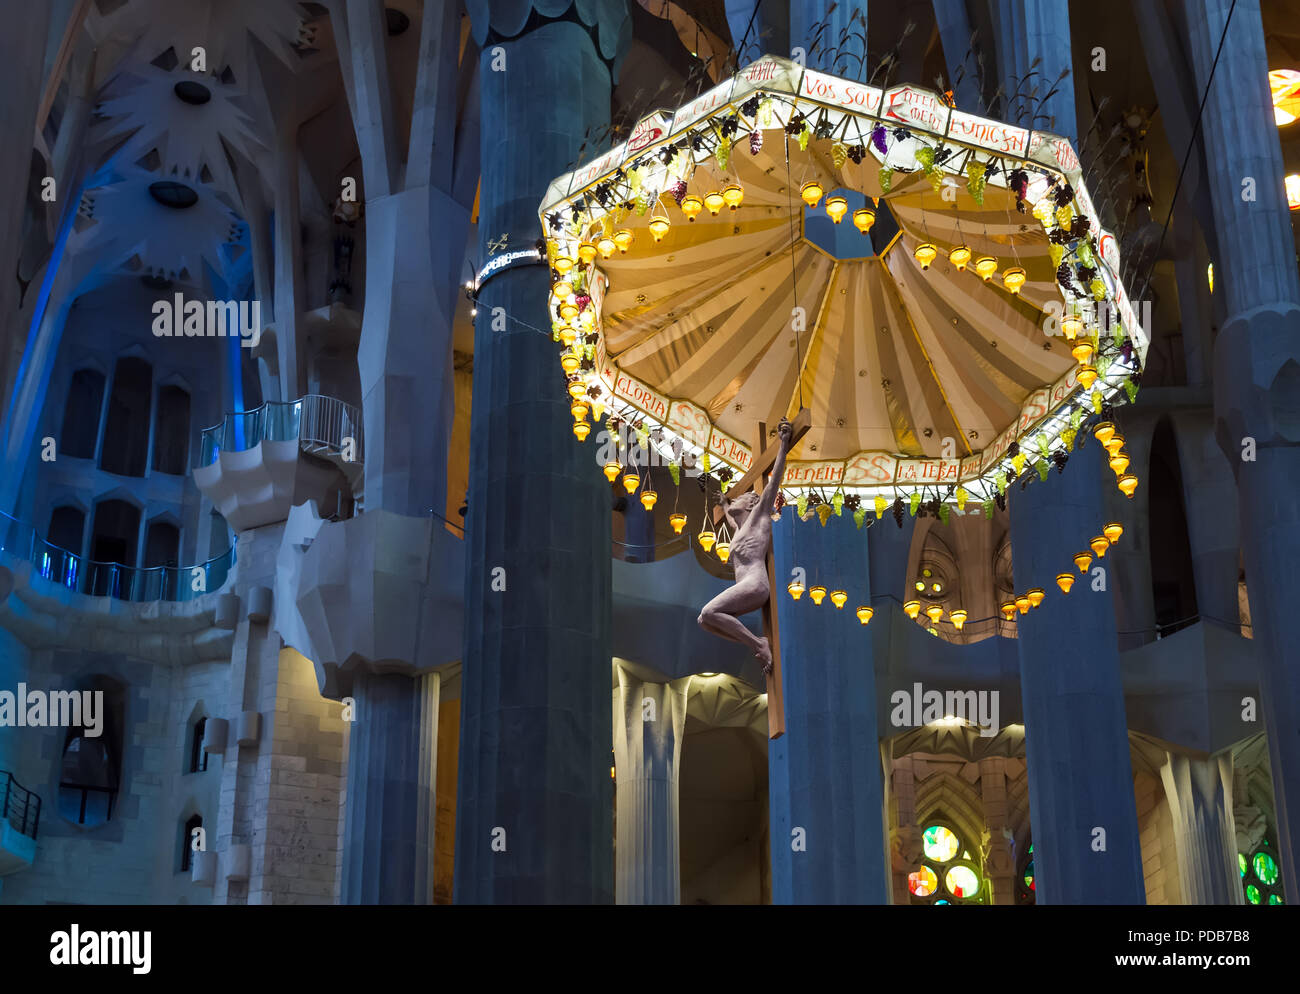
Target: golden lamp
{"points": [[612, 469], [1119, 462], [863, 219], [1114, 443], [959, 256], [587, 253], [958, 618], [623, 238], [1008, 610], [1071, 325], [1103, 432], [865, 613], [707, 538], [563, 264], [1087, 376], [724, 551], [606, 246], [582, 430], [692, 205], [733, 194], [648, 498], [837, 206], [811, 192], [795, 588], [1013, 279], [1082, 351], [839, 598], [579, 410], [630, 482], [562, 288], [659, 227], [714, 202], [912, 608], [1083, 560], [1065, 581], [985, 267], [569, 362], [1127, 484], [934, 612], [925, 254], [1099, 544], [1035, 596], [817, 594], [1023, 603], [678, 521], [1113, 531]]}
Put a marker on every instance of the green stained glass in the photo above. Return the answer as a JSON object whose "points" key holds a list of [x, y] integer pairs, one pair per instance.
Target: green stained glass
{"points": [[961, 881], [1275, 899], [922, 882], [939, 844], [1029, 875], [1241, 863], [1265, 867], [1252, 894]]}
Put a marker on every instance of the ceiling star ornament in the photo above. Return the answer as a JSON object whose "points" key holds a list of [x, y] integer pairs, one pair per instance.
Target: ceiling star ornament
{"points": [[143, 105], [132, 231], [223, 28], [987, 381]]}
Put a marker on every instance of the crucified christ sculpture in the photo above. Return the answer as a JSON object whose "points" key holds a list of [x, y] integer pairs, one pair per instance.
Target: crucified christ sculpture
{"points": [[750, 517]]}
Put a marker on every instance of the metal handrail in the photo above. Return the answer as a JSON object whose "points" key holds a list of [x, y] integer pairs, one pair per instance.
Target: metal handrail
{"points": [[313, 419], [20, 806], [97, 579]]}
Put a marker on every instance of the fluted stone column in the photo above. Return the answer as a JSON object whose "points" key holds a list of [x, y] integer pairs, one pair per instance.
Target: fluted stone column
{"points": [[755, 31], [825, 783], [533, 818], [649, 719], [1200, 802], [954, 34], [1257, 369], [905, 836], [1026, 30], [1210, 497], [998, 844], [840, 37], [1076, 736], [638, 532], [388, 841]]}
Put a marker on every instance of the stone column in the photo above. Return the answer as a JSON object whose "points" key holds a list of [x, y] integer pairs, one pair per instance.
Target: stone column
{"points": [[954, 34], [753, 26], [388, 839], [1200, 803], [905, 836], [288, 260], [1257, 368], [649, 719], [638, 532], [534, 818], [1026, 30], [998, 844], [826, 793], [1076, 737], [1210, 497], [841, 38]]}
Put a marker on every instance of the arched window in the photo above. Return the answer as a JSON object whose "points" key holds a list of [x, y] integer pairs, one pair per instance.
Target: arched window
{"points": [[1025, 892], [81, 415], [1260, 875], [115, 531], [187, 841], [126, 432], [90, 769], [1173, 584], [59, 562], [947, 874], [171, 435], [198, 758]]}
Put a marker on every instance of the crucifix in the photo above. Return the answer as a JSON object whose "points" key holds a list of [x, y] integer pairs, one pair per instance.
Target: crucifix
{"points": [[751, 551]]}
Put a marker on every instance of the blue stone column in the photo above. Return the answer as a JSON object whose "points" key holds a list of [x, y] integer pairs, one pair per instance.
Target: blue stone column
{"points": [[1076, 735], [840, 37], [534, 819], [825, 782], [1257, 369], [954, 34], [388, 835]]}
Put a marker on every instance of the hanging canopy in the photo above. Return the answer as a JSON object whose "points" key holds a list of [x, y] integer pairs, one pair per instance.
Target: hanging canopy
{"points": [[915, 377]]}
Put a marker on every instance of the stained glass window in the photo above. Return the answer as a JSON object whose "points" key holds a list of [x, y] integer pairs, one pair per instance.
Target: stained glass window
{"points": [[1025, 891], [943, 877], [1260, 875]]}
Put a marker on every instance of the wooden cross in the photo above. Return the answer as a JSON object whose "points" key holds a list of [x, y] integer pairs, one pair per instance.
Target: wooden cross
{"points": [[755, 479]]}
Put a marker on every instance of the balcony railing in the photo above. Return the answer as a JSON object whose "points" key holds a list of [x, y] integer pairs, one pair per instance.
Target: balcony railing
{"points": [[19, 806], [316, 421], [96, 579]]}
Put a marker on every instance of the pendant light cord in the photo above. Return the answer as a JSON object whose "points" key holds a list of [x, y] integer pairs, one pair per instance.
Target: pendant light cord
{"points": [[794, 275]]}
